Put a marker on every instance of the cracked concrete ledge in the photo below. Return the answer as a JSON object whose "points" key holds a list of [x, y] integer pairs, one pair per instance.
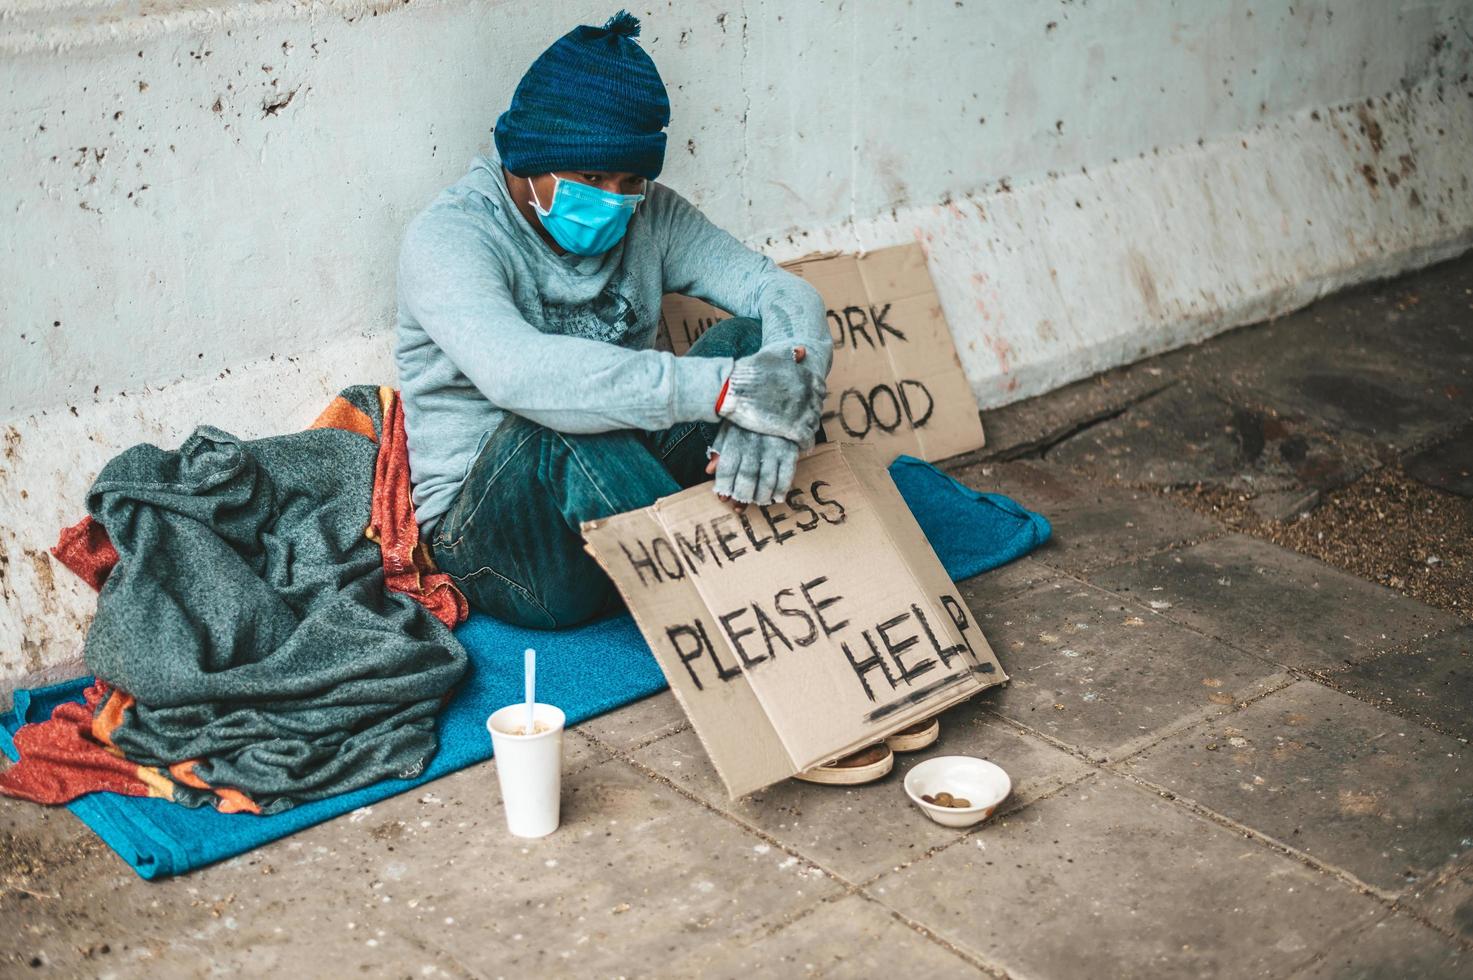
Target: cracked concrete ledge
{"points": [[31, 26]]}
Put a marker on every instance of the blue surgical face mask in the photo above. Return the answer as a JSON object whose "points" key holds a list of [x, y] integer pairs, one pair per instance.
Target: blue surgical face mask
{"points": [[584, 219]]}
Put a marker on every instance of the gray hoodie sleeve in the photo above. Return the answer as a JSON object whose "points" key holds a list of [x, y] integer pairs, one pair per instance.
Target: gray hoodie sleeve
{"points": [[452, 284], [709, 263]]}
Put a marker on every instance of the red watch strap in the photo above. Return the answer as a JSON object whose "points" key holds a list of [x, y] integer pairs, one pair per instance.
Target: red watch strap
{"points": [[722, 396]]}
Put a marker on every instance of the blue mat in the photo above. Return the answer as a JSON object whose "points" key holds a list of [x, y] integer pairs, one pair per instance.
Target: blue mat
{"points": [[586, 671]]}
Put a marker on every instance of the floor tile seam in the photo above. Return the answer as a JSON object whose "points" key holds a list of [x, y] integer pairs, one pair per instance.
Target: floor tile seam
{"points": [[1335, 937], [1461, 427], [1338, 937], [1400, 649], [1320, 955], [1412, 477], [366, 916], [1172, 729], [1144, 606], [773, 928], [655, 776], [932, 936], [1040, 449], [1257, 532], [603, 753], [1114, 766], [1460, 866], [1198, 719], [1401, 906], [1094, 568], [438, 952], [1203, 812], [1016, 590], [1095, 765], [1370, 701], [1308, 673], [1178, 502], [1376, 652], [1326, 681], [1014, 593], [615, 753], [1437, 437], [1037, 448], [971, 832], [1327, 567], [1053, 741], [678, 728]]}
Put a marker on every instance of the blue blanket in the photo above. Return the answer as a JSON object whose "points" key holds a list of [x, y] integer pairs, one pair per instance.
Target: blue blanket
{"points": [[586, 671]]}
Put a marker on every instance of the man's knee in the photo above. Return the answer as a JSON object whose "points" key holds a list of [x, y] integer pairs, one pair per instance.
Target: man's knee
{"points": [[620, 454], [580, 599], [736, 336], [599, 474], [591, 449], [746, 335], [568, 600]]}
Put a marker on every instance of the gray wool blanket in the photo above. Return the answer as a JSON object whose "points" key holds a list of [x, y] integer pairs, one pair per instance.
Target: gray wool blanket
{"points": [[247, 617]]}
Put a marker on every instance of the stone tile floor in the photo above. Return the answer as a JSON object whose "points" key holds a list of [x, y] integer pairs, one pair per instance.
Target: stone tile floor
{"points": [[1231, 759]]}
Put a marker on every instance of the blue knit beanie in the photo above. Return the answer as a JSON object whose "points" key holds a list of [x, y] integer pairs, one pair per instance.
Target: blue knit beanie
{"points": [[591, 101]]}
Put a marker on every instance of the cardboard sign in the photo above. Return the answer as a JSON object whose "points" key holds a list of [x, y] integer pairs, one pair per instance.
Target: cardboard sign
{"points": [[799, 632], [896, 382]]}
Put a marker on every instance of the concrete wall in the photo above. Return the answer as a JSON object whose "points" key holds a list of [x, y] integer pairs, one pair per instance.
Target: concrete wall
{"points": [[201, 205]]}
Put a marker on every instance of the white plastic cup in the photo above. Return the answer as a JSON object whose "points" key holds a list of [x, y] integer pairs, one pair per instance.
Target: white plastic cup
{"points": [[529, 767]]}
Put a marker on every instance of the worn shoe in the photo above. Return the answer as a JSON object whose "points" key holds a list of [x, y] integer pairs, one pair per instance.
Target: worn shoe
{"points": [[865, 766], [916, 737]]}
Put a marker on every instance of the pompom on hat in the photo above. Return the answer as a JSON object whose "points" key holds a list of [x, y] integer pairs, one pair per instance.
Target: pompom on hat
{"points": [[592, 101]]}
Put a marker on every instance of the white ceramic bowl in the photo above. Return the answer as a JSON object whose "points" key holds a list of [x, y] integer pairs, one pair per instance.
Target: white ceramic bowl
{"points": [[982, 783]]}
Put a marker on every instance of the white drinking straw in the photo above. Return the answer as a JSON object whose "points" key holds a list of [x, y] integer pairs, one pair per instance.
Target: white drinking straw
{"points": [[531, 664]]}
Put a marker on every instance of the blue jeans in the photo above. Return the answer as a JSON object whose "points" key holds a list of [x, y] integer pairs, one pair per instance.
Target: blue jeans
{"points": [[511, 538]]}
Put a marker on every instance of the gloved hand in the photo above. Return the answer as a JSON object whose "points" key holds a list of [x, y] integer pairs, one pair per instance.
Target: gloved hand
{"points": [[770, 392], [752, 467]]}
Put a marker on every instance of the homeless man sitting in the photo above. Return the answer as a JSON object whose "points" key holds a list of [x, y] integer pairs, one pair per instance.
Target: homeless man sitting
{"points": [[529, 298]]}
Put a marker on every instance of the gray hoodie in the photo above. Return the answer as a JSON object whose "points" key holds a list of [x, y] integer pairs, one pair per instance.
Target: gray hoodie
{"points": [[491, 320]]}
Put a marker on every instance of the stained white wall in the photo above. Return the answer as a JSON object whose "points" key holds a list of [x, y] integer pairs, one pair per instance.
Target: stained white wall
{"points": [[201, 205]]}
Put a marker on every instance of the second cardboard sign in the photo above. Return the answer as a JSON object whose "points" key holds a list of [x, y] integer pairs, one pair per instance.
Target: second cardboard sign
{"points": [[896, 382], [798, 632]]}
